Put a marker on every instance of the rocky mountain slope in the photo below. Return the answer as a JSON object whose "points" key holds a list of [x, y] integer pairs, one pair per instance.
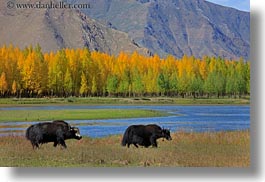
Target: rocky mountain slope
{"points": [[177, 27], [54, 29]]}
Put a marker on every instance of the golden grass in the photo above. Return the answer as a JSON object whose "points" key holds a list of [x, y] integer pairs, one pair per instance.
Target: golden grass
{"points": [[221, 149]]}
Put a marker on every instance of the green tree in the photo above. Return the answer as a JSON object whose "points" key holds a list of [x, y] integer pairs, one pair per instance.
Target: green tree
{"points": [[112, 85], [173, 83], [68, 83], [196, 86], [241, 77], [215, 84], [137, 85], [163, 83], [247, 72], [94, 89], [183, 84]]}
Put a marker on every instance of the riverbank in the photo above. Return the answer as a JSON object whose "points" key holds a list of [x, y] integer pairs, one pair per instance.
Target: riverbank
{"points": [[76, 114], [216, 149], [4, 102]]}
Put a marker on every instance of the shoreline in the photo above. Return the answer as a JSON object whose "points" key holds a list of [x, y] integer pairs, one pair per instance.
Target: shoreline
{"points": [[16, 102]]}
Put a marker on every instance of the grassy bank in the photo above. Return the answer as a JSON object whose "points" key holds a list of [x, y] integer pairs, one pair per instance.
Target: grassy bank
{"points": [[76, 114], [118, 101], [222, 149]]}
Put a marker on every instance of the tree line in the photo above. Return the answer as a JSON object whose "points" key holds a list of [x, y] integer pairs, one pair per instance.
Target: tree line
{"points": [[78, 72]]}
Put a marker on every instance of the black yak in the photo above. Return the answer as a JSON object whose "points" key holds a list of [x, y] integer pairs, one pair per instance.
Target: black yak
{"points": [[144, 135], [57, 131]]}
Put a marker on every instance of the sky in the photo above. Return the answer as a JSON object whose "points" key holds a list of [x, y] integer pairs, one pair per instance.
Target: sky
{"points": [[238, 4]]}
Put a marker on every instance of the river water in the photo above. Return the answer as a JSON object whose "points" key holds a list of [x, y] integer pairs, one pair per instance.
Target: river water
{"points": [[186, 118]]}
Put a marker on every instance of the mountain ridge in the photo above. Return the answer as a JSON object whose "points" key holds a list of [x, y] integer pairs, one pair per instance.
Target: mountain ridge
{"points": [[191, 27]]}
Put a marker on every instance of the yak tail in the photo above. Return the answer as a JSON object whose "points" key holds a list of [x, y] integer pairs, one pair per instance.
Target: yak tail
{"points": [[124, 140], [27, 132], [125, 137]]}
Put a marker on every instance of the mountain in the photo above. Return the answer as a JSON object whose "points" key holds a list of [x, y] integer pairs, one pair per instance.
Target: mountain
{"points": [[54, 29], [177, 27]]}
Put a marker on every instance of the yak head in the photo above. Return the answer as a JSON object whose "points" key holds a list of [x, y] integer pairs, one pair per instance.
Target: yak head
{"points": [[75, 133], [166, 134]]}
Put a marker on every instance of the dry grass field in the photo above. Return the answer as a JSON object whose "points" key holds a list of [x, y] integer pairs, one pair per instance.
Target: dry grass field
{"points": [[220, 149]]}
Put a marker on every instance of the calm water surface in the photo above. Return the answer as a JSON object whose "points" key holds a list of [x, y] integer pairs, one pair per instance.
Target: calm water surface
{"points": [[185, 118]]}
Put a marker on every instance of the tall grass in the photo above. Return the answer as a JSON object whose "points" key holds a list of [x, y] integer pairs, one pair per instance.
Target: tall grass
{"points": [[221, 149]]}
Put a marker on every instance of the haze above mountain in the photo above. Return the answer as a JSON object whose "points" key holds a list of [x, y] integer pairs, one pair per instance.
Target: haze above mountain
{"points": [[177, 27]]}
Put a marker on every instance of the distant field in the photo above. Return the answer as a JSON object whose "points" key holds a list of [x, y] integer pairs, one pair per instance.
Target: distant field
{"points": [[76, 114], [107, 100], [221, 149]]}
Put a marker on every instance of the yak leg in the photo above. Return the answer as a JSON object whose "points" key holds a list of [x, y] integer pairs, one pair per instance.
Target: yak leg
{"points": [[153, 141], [55, 143], [137, 140], [35, 145], [63, 143], [37, 140], [60, 140]]}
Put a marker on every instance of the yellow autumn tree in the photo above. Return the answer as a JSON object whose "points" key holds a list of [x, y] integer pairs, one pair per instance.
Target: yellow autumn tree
{"points": [[3, 84]]}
